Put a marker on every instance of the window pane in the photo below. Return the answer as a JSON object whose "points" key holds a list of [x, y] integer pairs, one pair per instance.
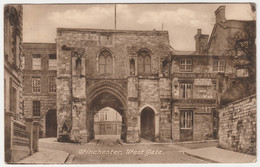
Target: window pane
{"points": [[140, 64], [36, 63], [36, 85], [147, 68], [101, 59], [109, 64], [102, 68], [36, 108], [147, 60]]}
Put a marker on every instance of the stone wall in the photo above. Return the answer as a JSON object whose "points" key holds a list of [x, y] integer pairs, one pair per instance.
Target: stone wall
{"points": [[237, 126]]}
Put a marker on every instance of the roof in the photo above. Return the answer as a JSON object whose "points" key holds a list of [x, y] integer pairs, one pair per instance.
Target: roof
{"points": [[179, 52]]}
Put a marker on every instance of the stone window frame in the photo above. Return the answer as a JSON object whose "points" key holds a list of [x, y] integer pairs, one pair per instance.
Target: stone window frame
{"points": [[105, 63], [36, 108], [184, 65], [144, 53], [187, 85], [52, 84], [36, 84], [219, 65]]}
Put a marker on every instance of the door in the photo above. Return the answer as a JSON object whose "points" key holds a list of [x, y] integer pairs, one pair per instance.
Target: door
{"points": [[186, 125], [147, 124], [51, 124]]}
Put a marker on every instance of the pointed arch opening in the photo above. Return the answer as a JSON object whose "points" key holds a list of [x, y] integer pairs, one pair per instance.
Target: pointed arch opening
{"points": [[148, 124]]}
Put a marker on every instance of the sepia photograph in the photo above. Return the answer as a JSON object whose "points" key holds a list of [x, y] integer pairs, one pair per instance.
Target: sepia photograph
{"points": [[129, 83]]}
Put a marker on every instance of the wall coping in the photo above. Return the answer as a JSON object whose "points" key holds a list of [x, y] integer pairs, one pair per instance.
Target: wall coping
{"points": [[238, 101]]}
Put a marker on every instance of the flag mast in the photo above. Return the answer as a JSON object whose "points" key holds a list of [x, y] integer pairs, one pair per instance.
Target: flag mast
{"points": [[115, 16]]}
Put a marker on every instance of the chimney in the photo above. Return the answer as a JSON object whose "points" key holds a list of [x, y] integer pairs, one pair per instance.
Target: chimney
{"points": [[220, 14], [201, 42]]}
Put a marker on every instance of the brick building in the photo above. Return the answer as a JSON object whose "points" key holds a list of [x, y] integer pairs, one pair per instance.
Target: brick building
{"points": [[161, 94], [40, 73]]}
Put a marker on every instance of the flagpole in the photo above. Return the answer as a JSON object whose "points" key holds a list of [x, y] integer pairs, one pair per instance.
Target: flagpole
{"points": [[115, 16]]}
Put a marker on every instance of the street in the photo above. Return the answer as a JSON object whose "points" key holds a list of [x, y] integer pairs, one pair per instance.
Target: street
{"points": [[111, 151]]}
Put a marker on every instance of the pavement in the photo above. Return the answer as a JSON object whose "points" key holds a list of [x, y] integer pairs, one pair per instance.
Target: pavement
{"points": [[46, 156], [218, 155], [204, 151]]}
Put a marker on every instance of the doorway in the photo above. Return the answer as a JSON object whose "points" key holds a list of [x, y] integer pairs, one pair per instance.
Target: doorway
{"points": [[148, 124], [186, 125], [51, 124]]}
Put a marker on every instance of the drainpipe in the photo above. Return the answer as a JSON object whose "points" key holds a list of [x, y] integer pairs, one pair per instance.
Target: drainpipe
{"points": [[170, 70]]}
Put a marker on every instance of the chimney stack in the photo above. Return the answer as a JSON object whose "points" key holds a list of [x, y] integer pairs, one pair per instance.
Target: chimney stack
{"points": [[220, 14], [201, 42]]}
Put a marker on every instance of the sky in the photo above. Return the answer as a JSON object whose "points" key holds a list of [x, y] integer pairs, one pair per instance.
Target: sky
{"points": [[180, 20]]}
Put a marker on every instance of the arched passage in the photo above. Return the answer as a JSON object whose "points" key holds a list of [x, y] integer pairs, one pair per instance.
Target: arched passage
{"points": [[102, 100], [51, 123], [148, 124]]}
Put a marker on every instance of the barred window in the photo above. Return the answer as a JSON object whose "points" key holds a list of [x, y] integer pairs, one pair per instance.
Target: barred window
{"points": [[144, 62], [219, 65], [52, 62], [36, 85], [186, 119], [185, 90], [36, 108], [52, 84], [36, 62], [105, 62], [185, 64]]}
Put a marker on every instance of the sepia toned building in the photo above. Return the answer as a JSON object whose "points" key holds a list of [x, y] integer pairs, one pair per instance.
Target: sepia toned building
{"points": [[40, 73], [161, 94], [20, 134]]}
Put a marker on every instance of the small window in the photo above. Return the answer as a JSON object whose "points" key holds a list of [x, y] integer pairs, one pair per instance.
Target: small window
{"points": [[219, 65], [185, 65], [52, 62], [185, 90], [36, 62], [36, 108], [242, 72], [132, 67], [52, 84], [186, 119], [36, 85]]}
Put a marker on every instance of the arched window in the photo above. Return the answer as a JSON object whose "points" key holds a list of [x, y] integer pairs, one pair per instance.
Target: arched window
{"points": [[144, 62], [105, 62], [132, 67]]}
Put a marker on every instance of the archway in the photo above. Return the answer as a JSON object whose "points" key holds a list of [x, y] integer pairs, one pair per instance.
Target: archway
{"points": [[105, 100], [107, 123], [148, 124], [51, 124]]}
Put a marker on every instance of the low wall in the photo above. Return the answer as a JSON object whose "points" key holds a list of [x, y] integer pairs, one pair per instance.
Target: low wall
{"points": [[237, 126]]}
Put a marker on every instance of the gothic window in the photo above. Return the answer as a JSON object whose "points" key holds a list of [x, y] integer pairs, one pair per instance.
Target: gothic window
{"points": [[144, 62], [78, 66], [105, 62], [132, 67], [185, 90]]}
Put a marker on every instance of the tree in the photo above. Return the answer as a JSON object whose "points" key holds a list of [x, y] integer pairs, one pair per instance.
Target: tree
{"points": [[242, 50]]}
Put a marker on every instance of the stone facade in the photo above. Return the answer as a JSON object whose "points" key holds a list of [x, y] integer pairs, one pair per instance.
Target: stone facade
{"points": [[46, 98], [133, 92], [162, 94], [237, 126]]}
